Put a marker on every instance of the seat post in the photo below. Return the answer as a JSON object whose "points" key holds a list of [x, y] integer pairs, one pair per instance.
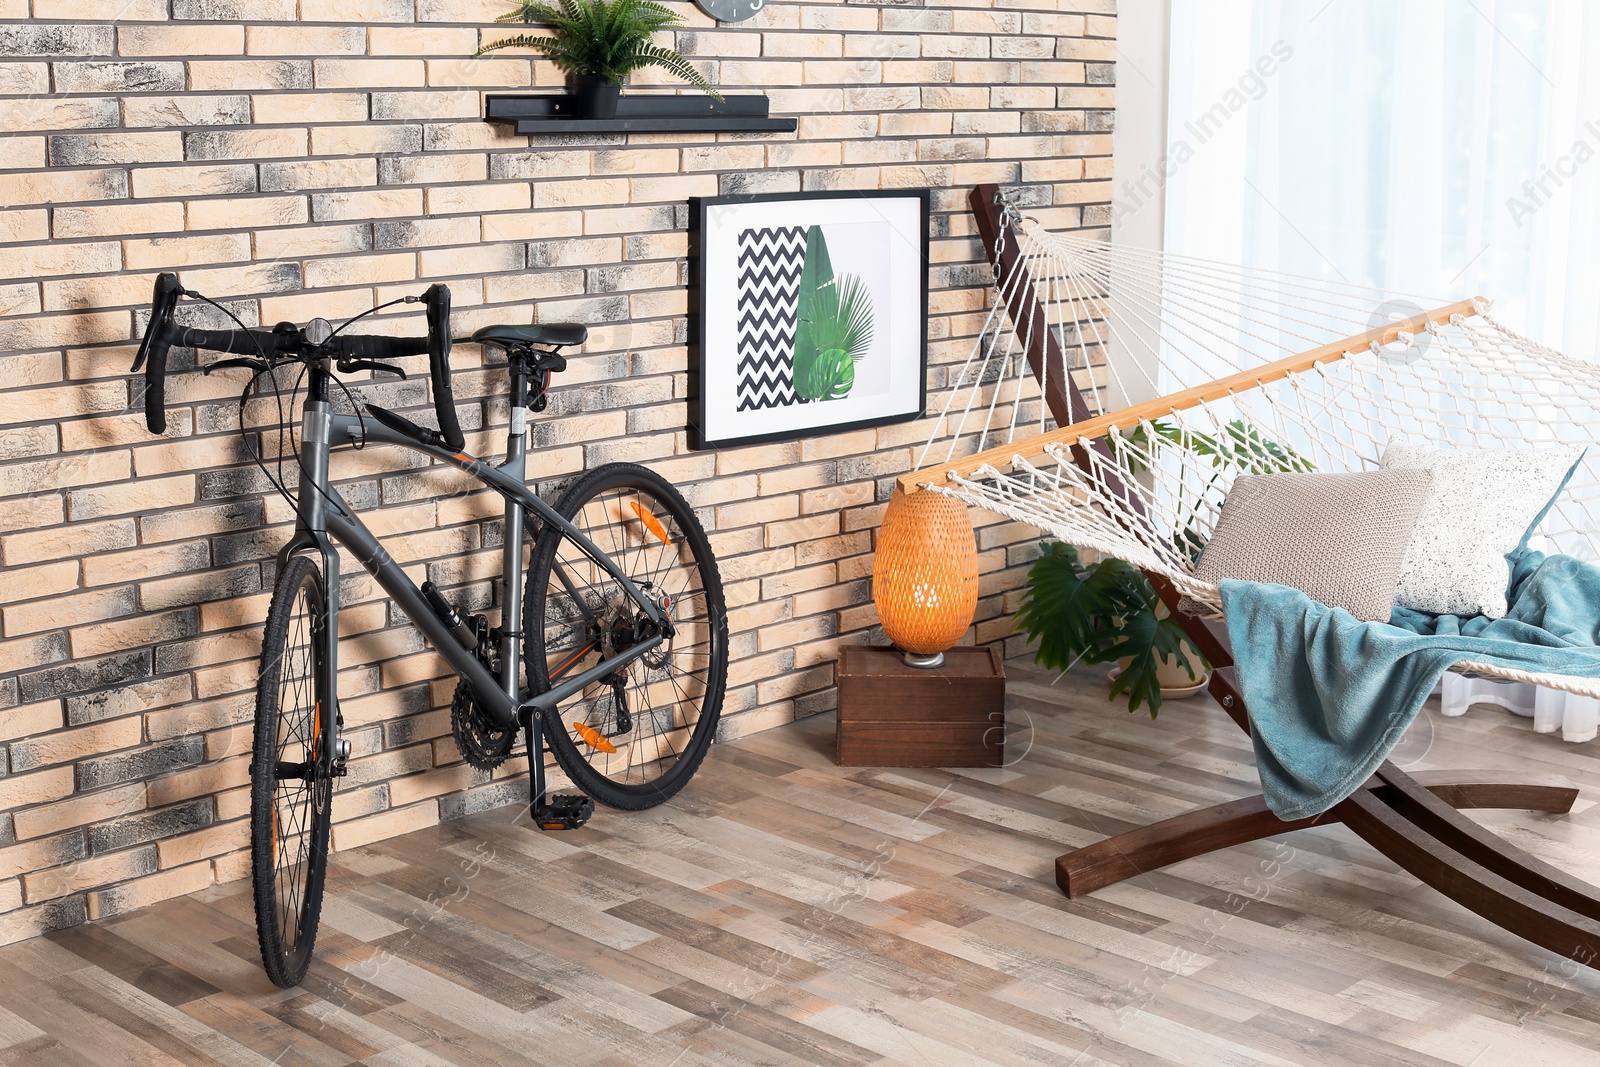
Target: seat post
{"points": [[519, 382], [511, 550], [517, 434]]}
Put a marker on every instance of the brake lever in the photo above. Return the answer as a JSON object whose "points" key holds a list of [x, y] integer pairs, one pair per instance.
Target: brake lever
{"points": [[348, 365], [244, 362]]}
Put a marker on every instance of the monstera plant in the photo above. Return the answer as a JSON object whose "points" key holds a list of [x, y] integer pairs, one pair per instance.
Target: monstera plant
{"points": [[833, 328], [1103, 612]]}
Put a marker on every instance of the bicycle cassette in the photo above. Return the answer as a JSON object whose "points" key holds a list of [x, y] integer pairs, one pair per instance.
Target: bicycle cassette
{"points": [[483, 743]]}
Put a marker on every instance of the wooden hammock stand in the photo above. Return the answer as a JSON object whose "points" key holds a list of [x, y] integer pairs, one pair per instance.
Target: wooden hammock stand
{"points": [[1414, 819]]}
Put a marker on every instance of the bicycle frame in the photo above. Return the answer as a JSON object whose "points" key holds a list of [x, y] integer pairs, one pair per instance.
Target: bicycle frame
{"points": [[324, 518]]}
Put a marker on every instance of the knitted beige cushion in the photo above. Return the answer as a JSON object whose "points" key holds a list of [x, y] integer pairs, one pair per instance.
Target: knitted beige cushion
{"points": [[1338, 538]]}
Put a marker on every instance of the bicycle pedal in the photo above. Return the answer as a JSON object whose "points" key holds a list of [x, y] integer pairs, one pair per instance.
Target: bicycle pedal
{"points": [[563, 812]]}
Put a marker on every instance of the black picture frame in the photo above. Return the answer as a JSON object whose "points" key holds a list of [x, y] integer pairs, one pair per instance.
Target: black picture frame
{"points": [[708, 420]]}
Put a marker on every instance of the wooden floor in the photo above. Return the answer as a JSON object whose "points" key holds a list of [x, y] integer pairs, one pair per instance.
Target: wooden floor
{"points": [[785, 910]]}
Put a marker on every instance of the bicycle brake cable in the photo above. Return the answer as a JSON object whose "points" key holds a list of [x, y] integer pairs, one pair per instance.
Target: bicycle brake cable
{"points": [[360, 418], [277, 393], [270, 368], [245, 437], [373, 311]]}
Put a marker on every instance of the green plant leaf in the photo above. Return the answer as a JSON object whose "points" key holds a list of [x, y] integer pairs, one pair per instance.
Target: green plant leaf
{"points": [[1240, 446], [542, 44], [836, 324], [1070, 609], [828, 377], [674, 63], [1144, 639], [845, 317], [816, 275]]}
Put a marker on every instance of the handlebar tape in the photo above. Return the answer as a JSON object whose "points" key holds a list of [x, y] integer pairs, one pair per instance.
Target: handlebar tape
{"points": [[368, 346], [444, 402], [161, 333], [240, 342], [153, 348]]}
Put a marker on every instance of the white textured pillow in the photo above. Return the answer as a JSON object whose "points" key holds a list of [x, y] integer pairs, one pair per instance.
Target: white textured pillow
{"points": [[1482, 505]]}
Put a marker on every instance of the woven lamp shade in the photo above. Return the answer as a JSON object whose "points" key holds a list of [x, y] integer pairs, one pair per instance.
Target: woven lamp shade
{"points": [[925, 579]]}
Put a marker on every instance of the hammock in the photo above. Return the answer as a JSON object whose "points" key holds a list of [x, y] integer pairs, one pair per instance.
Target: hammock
{"points": [[1168, 376]]}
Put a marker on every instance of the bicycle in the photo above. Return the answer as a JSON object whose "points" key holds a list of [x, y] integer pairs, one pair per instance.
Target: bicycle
{"points": [[623, 648]]}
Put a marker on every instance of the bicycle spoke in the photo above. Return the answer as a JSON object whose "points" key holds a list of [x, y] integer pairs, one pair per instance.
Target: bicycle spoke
{"points": [[290, 812]]}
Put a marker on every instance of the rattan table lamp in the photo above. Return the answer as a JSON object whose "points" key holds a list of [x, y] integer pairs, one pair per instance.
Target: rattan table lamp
{"points": [[925, 578]]}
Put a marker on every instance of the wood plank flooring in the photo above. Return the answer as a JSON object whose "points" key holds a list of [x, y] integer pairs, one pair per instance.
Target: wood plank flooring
{"points": [[787, 911]]}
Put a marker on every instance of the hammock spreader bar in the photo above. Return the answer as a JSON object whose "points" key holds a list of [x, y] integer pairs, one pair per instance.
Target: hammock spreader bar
{"points": [[1131, 416]]}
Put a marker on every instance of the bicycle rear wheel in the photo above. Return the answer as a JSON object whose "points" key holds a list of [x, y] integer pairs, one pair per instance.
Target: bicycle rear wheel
{"points": [[290, 794], [633, 739]]}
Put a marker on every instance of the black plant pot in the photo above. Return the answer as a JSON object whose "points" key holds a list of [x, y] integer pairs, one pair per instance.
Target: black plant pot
{"points": [[594, 97]]}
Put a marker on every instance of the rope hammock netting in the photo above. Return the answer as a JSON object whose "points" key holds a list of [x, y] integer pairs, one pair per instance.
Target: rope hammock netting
{"points": [[1187, 373]]}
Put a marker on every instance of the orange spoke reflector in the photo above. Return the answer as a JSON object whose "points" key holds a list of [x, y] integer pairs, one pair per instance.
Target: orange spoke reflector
{"points": [[651, 523], [274, 831], [593, 738]]}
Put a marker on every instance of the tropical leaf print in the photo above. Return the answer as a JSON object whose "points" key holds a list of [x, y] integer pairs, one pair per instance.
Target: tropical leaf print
{"points": [[834, 327]]}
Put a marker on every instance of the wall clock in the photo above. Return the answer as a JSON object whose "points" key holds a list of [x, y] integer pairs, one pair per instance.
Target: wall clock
{"points": [[731, 10]]}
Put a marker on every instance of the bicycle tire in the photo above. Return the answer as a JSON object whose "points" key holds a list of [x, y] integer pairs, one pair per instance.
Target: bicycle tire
{"points": [[552, 635], [289, 866]]}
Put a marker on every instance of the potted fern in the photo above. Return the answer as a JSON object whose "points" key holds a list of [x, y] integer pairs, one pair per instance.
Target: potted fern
{"points": [[598, 43]]}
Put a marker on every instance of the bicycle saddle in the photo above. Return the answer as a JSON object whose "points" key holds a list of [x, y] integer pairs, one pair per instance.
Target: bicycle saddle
{"points": [[540, 333]]}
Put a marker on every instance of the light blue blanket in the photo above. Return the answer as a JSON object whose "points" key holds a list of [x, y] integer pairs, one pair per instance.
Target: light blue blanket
{"points": [[1329, 696]]}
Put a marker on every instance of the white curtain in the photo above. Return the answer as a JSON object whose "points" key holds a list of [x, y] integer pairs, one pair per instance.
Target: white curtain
{"points": [[1443, 148], [1436, 147]]}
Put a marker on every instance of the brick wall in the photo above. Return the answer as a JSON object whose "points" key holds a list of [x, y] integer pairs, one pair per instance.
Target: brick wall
{"points": [[308, 157]]}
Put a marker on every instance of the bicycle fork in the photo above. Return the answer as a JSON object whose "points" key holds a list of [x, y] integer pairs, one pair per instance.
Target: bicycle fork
{"points": [[335, 754]]}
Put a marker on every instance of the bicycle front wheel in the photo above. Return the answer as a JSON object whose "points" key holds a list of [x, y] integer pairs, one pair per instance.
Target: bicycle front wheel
{"points": [[633, 738], [290, 794]]}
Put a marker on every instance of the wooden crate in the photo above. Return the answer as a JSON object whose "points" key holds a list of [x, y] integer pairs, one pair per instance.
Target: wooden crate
{"points": [[894, 715]]}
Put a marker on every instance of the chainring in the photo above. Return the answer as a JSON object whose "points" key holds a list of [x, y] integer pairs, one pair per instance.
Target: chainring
{"points": [[482, 743]]}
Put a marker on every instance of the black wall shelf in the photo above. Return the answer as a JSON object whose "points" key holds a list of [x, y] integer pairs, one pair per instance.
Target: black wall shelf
{"points": [[552, 113]]}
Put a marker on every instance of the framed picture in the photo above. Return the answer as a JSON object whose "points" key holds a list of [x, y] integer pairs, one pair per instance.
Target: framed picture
{"points": [[812, 314]]}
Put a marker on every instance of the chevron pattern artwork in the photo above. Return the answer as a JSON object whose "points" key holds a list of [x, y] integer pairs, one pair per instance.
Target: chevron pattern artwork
{"points": [[770, 263]]}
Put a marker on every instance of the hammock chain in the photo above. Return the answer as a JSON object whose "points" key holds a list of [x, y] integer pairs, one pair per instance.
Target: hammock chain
{"points": [[1010, 217]]}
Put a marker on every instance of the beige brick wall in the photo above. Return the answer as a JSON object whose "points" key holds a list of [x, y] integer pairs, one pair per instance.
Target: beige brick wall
{"points": [[310, 157]]}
